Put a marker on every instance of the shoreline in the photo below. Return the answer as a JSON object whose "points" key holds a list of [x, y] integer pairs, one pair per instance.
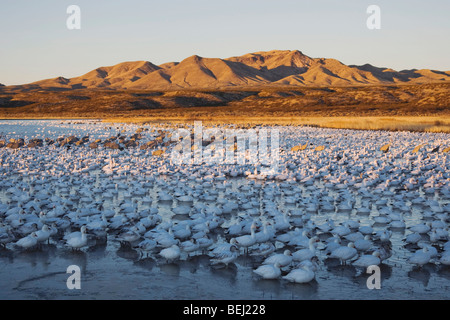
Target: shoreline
{"points": [[436, 124]]}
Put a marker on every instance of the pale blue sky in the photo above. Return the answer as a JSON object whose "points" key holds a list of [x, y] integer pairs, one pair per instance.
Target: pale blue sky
{"points": [[35, 43]]}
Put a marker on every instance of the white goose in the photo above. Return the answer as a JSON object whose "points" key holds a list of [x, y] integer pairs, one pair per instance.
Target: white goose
{"points": [[344, 253], [226, 256], [303, 274], [306, 254], [78, 241], [43, 234], [170, 254], [420, 257], [28, 241], [368, 260], [269, 271], [283, 259], [247, 241]]}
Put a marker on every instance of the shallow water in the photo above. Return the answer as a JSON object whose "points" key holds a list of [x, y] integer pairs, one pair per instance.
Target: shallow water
{"points": [[112, 271]]}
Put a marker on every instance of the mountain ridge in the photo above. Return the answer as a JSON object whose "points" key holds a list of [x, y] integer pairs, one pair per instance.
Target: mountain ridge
{"points": [[263, 68]]}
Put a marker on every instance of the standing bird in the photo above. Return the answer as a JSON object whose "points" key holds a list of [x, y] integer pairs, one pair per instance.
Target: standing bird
{"points": [[226, 256], [344, 253], [78, 241], [247, 241]]}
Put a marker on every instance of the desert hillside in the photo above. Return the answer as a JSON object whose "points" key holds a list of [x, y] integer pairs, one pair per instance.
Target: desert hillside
{"points": [[272, 68], [431, 99]]}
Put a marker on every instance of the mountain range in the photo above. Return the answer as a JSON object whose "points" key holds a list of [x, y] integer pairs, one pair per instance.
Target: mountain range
{"points": [[269, 68]]}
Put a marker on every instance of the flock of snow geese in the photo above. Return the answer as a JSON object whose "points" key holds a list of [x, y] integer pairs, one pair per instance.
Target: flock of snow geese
{"points": [[343, 201]]}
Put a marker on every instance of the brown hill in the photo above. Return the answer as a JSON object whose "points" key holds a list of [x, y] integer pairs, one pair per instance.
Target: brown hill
{"points": [[272, 68]]}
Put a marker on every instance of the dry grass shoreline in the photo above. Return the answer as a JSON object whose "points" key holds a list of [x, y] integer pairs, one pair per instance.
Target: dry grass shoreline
{"points": [[389, 123], [400, 123]]}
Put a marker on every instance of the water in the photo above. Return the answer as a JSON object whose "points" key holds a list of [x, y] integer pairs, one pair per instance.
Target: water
{"points": [[110, 270]]}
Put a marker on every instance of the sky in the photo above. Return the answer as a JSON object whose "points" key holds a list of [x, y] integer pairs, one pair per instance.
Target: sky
{"points": [[36, 44]]}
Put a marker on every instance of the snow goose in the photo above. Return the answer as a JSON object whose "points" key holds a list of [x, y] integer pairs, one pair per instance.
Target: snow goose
{"points": [[413, 238], [306, 254], [445, 258], [344, 253], [269, 271], [283, 259], [383, 235], [170, 254], [341, 231], [225, 256], [182, 231], [303, 274], [299, 240], [77, 241], [366, 230], [420, 257], [204, 242], [363, 244], [420, 228], [28, 241], [146, 246], [368, 260], [353, 237], [263, 250], [332, 244], [264, 235], [189, 246], [247, 241], [43, 234]]}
